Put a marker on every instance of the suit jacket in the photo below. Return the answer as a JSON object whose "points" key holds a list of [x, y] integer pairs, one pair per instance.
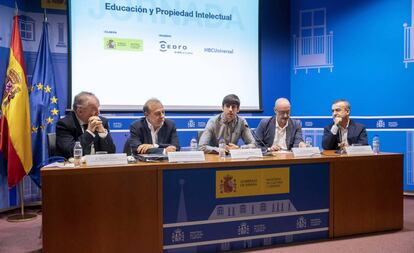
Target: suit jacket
{"points": [[141, 134], [69, 131], [266, 132], [357, 134]]}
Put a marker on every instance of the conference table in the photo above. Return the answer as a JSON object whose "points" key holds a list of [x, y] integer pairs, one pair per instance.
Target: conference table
{"points": [[220, 204]]}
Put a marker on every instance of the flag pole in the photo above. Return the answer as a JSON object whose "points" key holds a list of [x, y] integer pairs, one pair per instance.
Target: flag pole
{"points": [[16, 10], [22, 216]]}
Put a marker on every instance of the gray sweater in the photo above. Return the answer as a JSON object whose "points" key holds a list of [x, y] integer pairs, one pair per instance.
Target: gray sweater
{"points": [[231, 132]]}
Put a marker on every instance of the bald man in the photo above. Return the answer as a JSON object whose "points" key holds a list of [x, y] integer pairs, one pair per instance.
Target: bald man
{"points": [[280, 132]]}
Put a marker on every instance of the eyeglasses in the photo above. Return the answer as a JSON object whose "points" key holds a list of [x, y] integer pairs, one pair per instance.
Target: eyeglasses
{"points": [[283, 112]]}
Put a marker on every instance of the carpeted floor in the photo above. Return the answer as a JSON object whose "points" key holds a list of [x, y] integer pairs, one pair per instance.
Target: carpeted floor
{"points": [[20, 237], [25, 237]]}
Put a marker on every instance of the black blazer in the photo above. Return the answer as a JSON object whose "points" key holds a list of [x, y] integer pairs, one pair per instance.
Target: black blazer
{"points": [[141, 134], [69, 131], [266, 132], [357, 134]]}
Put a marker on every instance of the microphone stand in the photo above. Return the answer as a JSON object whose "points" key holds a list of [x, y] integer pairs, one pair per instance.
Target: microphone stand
{"points": [[341, 149], [267, 151]]}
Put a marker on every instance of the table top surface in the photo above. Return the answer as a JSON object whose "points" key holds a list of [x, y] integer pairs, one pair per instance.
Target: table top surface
{"points": [[212, 160]]}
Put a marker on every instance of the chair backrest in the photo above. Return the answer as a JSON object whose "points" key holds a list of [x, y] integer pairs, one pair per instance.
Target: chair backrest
{"points": [[127, 147], [199, 133], [51, 144]]}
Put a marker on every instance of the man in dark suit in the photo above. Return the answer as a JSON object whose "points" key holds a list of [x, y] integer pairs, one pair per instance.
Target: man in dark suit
{"points": [[343, 131], [83, 124], [280, 132], [153, 134]]}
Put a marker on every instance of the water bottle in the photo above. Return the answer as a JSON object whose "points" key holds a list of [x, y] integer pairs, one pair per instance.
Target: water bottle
{"points": [[222, 148], [77, 154], [193, 144], [376, 144], [308, 141]]}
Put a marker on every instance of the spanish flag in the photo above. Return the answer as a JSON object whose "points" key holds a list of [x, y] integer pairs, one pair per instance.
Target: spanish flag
{"points": [[15, 141]]}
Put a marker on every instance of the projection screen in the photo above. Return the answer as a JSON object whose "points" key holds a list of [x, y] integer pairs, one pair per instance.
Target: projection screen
{"points": [[188, 54]]}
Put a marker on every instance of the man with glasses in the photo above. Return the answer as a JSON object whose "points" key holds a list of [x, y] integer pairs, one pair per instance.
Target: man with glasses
{"points": [[227, 126], [153, 134], [343, 131], [280, 132]]}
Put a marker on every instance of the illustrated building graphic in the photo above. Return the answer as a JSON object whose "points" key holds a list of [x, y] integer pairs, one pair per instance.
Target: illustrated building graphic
{"points": [[313, 46], [409, 39]]}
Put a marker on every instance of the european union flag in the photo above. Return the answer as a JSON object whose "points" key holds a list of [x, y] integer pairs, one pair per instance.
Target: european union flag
{"points": [[44, 111]]}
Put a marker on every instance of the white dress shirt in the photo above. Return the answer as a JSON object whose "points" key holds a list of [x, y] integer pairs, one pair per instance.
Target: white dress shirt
{"points": [[154, 133], [280, 136]]}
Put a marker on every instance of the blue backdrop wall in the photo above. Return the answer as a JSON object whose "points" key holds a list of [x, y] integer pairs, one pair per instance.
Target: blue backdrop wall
{"points": [[368, 68], [362, 51]]}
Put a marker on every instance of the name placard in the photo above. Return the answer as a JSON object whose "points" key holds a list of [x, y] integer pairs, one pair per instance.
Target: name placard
{"points": [[359, 150], [306, 152], [186, 156], [106, 159], [246, 153]]}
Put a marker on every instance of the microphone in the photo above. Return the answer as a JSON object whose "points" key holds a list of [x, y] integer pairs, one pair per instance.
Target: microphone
{"points": [[258, 139], [339, 134]]}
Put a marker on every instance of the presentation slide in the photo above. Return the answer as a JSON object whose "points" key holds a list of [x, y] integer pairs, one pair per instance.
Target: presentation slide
{"points": [[188, 54]]}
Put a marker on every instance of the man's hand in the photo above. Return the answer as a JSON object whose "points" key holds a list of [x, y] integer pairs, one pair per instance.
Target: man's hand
{"points": [[100, 128], [143, 148], [275, 148], [337, 120], [95, 124], [170, 149], [302, 144], [342, 145], [231, 146]]}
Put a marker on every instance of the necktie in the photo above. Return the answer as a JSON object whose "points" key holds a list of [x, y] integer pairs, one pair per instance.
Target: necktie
{"points": [[85, 127]]}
